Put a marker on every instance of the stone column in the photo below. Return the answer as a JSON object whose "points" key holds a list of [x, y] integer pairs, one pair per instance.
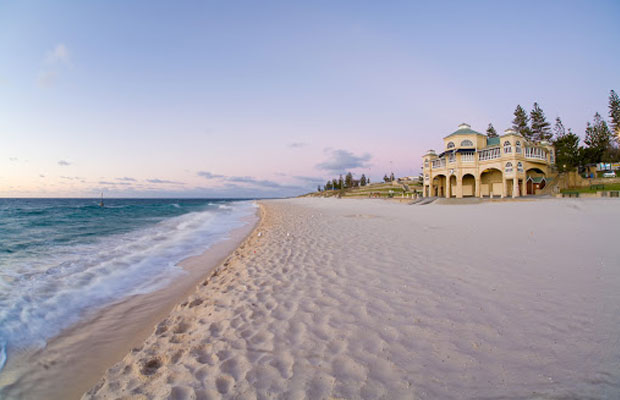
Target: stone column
{"points": [[515, 187], [447, 191], [504, 191], [478, 192], [459, 187]]}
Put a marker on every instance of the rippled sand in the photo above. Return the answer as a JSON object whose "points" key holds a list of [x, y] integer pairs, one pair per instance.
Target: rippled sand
{"points": [[369, 299]]}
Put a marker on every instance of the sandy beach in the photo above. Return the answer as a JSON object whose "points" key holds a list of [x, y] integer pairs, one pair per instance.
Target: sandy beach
{"points": [[367, 299]]}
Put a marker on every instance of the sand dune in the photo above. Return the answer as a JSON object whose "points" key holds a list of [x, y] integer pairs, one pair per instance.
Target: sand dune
{"points": [[368, 299]]}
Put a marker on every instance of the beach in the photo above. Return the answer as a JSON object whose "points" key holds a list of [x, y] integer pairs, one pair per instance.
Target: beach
{"points": [[369, 299]]}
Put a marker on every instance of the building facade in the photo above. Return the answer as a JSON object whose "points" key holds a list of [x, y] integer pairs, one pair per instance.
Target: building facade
{"points": [[474, 165]]}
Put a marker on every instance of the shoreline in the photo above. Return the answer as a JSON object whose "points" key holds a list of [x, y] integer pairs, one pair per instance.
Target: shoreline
{"points": [[74, 360]]}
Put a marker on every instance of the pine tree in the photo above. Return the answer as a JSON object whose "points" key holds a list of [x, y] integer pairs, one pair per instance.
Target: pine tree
{"points": [[614, 112], [335, 184], [363, 180], [558, 129], [521, 123], [568, 154], [491, 132], [328, 185], [340, 183], [392, 179], [385, 178], [348, 180], [541, 129], [599, 140]]}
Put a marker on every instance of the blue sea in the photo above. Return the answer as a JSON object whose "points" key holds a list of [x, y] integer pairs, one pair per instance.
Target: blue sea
{"points": [[61, 258]]}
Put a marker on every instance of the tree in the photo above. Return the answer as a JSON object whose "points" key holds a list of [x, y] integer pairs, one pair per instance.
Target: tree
{"points": [[385, 178], [614, 112], [340, 182], [392, 177], [491, 132], [567, 151], [329, 185], [541, 129], [335, 184], [520, 123], [599, 140], [558, 129], [363, 180], [348, 180], [318, 188]]}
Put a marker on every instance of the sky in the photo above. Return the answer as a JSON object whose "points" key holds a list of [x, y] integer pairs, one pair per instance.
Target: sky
{"points": [[260, 99]]}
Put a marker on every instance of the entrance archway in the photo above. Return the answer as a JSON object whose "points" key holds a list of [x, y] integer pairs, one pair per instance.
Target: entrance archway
{"points": [[469, 185], [438, 187], [535, 180], [491, 184]]}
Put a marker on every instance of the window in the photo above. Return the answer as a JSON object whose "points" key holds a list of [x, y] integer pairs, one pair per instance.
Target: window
{"points": [[452, 158], [551, 157], [467, 157], [451, 145], [507, 147], [520, 166], [426, 163], [488, 154], [467, 143], [518, 147], [535, 152], [508, 167], [426, 177]]}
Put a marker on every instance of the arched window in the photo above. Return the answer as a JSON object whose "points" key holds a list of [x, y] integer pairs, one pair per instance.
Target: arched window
{"points": [[426, 163], [467, 143], [520, 166], [508, 167], [507, 147], [451, 145], [518, 146]]}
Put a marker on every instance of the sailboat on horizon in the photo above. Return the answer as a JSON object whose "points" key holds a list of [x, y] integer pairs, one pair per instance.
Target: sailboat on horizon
{"points": [[101, 202]]}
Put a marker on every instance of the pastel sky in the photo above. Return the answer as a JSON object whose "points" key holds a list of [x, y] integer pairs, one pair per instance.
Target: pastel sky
{"points": [[262, 98]]}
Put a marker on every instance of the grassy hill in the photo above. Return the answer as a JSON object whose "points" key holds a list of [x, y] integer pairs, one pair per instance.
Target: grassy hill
{"points": [[374, 190]]}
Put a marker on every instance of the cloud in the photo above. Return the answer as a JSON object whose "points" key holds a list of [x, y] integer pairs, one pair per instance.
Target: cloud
{"points": [[297, 145], [209, 175], [155, 180], [58, 55], [13, 159], [63, 163], [113, 183], [72, 178], [342, 160], [56, 59], [310, 179], [126, 179], [41, 176]]}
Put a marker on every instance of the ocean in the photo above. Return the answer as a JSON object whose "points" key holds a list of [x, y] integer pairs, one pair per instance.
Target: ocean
{"points": [[63, 258]]}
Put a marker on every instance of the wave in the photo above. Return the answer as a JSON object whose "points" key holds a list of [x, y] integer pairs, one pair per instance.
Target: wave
{"points": [[43, 295]]}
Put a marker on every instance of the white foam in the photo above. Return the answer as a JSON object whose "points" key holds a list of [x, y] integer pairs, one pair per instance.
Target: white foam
{"points": [[43, 296]]}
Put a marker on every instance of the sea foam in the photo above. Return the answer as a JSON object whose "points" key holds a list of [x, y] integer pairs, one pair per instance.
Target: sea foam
{"points": [[40, 296]]}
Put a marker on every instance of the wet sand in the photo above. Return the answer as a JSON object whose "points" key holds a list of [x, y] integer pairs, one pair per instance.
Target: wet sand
{"points": [[74, 360], [370, 299]]}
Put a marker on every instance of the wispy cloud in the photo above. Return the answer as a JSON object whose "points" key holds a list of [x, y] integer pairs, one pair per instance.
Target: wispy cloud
{"points": [[13, 159], [209, 175], [63, 163], [71, 178], [58, 55], [113, 183], [297, 145], [341, 160], [164, 181], [310, 179], [126, 179], [55, 60], [41, 176]]}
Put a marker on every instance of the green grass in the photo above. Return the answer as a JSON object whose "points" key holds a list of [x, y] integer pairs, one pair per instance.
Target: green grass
{"points": [[608, 187]]}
